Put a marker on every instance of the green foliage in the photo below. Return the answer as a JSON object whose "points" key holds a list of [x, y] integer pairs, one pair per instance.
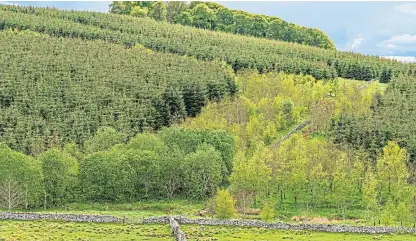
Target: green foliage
{"points": [[224, 205], [386, 76], [99, 177], [139, 12], [120, 8], [173, 162], [238, 51], [68, 74], [251, 177], [26, 172], [140, 170], [305, 172], [60, 173], [174, 9], [387, 214], [392, 171], [203, 16], [208, 15], [62, 90], [403, 213], [203, 171], [158, 11], [370, 193], [189, 141], [390, 119], [269, 105], [267, 212], [73, 149], [104, 139]]}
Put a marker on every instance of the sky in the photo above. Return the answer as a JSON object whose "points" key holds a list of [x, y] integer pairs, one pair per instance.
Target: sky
{"points": [[376, 28]]}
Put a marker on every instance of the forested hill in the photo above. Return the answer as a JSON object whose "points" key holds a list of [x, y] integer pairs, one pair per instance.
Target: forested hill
{"points": [[145, 74], [54, 91], [79, 91], [213, 16], [238, 51]]}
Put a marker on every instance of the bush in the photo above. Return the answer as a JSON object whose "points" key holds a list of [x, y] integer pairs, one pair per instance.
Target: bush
{"points": [[224, 205]]}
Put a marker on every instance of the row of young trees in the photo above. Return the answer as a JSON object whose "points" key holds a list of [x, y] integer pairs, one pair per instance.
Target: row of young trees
{"points": [[173, 162], [237, 51], [58, 90], [213, 16], [313, 173]]}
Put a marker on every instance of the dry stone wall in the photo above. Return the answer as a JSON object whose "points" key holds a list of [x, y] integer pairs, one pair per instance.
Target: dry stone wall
{"points": [[175, 221], [63, 217], [296, 129], [285, 226], [179, 234]]}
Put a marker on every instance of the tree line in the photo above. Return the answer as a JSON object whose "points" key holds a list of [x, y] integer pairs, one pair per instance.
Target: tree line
{"points": [[213, 16], [172, 163], [268, 106], [314, 173], [392, 118], [240, 52], [58, 90], [308, 171]]}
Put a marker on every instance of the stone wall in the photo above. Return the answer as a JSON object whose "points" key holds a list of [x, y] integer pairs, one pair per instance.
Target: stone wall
{"points": [[63, 217], [179, 234], [184, 220], [163, 219], [296, 129], [279, 225]]}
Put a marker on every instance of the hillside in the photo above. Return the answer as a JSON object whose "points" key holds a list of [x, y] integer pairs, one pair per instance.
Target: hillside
{"points": [[215, 17], [238, 51], [60, 90], [104, 111]]}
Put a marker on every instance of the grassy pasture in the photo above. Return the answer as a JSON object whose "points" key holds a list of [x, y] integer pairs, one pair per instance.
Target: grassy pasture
{"points": [[51, 230], [210, 233], [134, 210]]}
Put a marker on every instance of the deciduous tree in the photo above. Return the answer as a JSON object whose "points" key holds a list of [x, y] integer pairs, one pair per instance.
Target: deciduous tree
{"points": [[224, 205]]}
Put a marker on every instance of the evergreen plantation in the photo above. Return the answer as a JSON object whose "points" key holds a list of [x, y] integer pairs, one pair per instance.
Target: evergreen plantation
{"points": [[60, 90], [238, 51], [391, 118], [105, 107]]}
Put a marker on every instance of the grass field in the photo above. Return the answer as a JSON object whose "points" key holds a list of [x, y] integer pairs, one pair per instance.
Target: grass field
{"points": [[50, 230], [210, 233], [53, 230], [135, 210]]}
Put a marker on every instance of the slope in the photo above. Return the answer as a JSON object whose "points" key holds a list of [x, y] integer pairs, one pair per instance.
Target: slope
{"points": [[58, 90], [238, 51], [214, 16]]}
